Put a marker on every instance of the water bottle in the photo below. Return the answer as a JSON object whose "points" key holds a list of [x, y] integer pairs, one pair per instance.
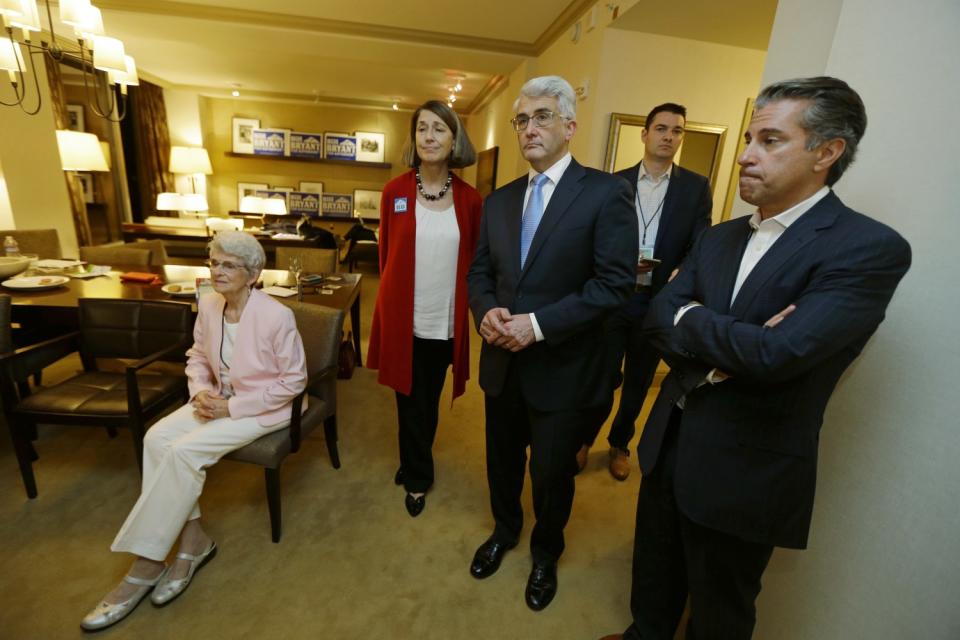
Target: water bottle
{"points": [[10, 247]]}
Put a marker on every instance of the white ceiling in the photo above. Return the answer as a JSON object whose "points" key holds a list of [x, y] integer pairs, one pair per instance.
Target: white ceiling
{"points": [[369, 51], [375, 52], [739, 23]]}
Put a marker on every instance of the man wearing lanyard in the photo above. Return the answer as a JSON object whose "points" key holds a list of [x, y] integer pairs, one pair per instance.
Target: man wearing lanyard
{"points": [[673, 207]]}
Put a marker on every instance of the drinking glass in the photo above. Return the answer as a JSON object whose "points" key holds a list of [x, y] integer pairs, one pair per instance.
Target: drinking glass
{"points": [[295, 266]]}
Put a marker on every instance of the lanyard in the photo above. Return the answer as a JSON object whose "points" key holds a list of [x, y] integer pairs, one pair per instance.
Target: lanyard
{"points": [[643, 218]]}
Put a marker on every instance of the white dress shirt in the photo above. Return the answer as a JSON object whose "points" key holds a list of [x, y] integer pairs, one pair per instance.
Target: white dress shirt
{"points": [[554, 173], [765, 234], [650, 196]]}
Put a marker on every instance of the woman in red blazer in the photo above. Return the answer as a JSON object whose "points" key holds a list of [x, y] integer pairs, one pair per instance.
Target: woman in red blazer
{"points": [[428, 232]]}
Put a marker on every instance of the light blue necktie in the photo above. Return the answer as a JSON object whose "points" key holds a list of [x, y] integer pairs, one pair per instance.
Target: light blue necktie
{"points": [[531, 216]]}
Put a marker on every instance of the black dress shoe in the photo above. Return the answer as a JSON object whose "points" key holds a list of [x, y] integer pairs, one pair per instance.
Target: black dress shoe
{"points": [[541, 586], [415, 505], [487, 559], [398, 477]]}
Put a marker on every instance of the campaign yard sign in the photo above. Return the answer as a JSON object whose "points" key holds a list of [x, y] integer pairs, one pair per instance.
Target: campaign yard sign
{"points": [[303, 203], [306, 145]]}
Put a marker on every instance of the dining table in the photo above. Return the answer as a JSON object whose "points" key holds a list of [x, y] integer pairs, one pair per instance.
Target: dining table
{"points": [[54, 307]]}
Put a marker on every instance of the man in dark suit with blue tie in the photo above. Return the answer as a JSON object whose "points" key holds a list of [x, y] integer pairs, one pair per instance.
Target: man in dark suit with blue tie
{"points": [[673, 207], [766, 314], [557, 252]]}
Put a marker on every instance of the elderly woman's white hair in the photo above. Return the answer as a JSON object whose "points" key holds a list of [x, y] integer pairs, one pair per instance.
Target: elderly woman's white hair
{"points": [[242, 245], [553, 87]]}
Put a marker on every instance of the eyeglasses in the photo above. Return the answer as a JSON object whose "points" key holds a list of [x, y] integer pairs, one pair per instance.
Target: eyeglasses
{"points": [[226, 266], [540, 120]]}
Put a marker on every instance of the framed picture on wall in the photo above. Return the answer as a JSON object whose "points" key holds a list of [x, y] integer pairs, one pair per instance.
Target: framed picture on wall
{"points": [[243, 134], [370, 146], [278, 188], [248, 189], [311, 187], [86, 181], [366, 203], [75, 117]]}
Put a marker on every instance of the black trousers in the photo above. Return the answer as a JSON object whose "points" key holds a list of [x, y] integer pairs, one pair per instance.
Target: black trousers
{"points": [[625, 344], [553, 438], [418, 413], [674, 557]]}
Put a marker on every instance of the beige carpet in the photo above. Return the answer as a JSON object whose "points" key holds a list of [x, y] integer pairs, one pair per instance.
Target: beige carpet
{"points": [[351, 563]]}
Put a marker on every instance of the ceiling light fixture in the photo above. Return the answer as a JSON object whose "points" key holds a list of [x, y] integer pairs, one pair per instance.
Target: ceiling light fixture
{"points": [[106, 69], [395, 106], [236, 89]]}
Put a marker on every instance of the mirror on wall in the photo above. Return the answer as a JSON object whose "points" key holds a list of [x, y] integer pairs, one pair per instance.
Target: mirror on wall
{"points": [[700, 151]]}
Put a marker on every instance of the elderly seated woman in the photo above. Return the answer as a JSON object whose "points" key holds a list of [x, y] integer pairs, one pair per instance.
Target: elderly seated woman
{"points": [[245, 367]]}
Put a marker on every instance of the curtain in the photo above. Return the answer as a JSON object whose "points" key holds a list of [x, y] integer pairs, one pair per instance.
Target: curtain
{"points": [[58, 105], [153, 145]]}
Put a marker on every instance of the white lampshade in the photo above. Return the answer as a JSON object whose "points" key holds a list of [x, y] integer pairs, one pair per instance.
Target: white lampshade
{"points": [[105, 147], [168, 201], [190, 160], [80, 151], [72, 12], [194, 202], [128, 78], [224, 224], [12, 8], [251, 204], [91, 25], [30, 20], [10, 55], [108, 54], [274, 206]]}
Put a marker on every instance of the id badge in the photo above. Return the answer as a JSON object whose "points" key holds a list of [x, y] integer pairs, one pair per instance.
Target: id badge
{"points": [[644, 279]]}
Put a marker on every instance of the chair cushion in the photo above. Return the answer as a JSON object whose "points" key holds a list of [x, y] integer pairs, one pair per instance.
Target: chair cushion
{"points": [[100, 393], [271, 449]]}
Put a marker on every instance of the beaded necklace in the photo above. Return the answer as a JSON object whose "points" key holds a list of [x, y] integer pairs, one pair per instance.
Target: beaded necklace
{"points": [[431, 197]]}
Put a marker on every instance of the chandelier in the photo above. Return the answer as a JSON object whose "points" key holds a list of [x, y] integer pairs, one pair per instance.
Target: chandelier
{"points": [[106, 69]]}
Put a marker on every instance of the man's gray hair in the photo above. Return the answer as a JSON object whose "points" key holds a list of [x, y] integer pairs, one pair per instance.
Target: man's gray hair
{"points": [[242, 245], [835, 111], [553, 87]]}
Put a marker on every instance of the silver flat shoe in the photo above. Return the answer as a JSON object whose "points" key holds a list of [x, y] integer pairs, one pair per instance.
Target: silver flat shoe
{"points": [[169, 589], [106, 614]]}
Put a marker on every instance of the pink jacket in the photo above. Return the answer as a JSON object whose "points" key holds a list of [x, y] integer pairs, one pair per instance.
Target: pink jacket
{"points": [[269, 366]]}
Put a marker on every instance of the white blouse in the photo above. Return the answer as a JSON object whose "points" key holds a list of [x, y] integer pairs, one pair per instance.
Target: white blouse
{"points": [[435, 273], [226, 356]]}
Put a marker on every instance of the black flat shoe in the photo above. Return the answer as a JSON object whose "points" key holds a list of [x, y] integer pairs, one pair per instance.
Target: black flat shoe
{"points": [[398, 477], [487, 559], [541, 586], [415, 505]]}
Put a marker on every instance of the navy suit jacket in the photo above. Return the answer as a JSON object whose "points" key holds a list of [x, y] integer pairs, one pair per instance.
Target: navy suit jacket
{"points": [[580, 266], [687, 206], [747, 447]]}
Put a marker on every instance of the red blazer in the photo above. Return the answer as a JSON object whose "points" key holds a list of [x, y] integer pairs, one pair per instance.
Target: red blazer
{"points": [[391, 333]]}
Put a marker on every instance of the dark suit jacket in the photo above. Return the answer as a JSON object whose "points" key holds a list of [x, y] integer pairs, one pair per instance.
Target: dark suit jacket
{"points": [[581, 265], [747, 448], [686, 213]]}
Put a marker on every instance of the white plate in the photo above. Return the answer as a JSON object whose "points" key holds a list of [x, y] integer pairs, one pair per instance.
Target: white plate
{"points": [[186, 289], [36, 283]]}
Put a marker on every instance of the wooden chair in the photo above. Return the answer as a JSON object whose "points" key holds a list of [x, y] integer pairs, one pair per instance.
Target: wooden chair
{"points": [[320, 328], [43, 242], [115, 254], [158, 252], [139, 330], [312, 260]]}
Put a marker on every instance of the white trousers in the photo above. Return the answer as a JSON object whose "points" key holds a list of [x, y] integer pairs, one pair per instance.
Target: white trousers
{"points": [[176, 453]]}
